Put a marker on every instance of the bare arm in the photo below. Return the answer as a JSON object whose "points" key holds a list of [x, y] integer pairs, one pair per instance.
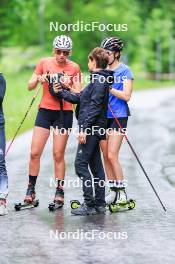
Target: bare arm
{"points": [[126, 93], [33, 82], [76, 87]]}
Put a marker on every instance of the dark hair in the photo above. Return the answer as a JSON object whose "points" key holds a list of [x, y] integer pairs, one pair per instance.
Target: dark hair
{"points": [[100, 56]]}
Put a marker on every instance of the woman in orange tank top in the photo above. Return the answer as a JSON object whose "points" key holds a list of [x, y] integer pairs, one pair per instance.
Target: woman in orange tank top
{"points": [[52, 113]]}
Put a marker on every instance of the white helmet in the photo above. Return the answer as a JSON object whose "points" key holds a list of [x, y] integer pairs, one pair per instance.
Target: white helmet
{"points": [[62, 42]]}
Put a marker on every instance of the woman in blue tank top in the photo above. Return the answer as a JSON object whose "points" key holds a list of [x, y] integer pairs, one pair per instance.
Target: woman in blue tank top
{"points": [[118, 112]]}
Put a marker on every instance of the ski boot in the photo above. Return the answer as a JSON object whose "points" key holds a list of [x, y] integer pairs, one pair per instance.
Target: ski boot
{"points": [[29, 200], [114, 187], [58, 200], [30, 194], [111, 196], [3, 207], [120, 202]]}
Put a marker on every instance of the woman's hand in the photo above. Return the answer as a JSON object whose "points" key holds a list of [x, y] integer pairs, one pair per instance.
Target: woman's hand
{"points": [[42, 78], [81, 138], [57, 87]]}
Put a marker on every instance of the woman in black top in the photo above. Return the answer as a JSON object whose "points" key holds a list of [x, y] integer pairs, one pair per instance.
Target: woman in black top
{"points": [[92, 121]]}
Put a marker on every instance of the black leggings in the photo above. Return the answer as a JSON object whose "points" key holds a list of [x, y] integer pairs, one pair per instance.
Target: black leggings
{"points": [[89, 155]]}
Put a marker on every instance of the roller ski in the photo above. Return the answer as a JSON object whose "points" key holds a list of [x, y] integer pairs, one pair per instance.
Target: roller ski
{"points": [[29, 200], [117, 201], [119, 207], [58, 200]]}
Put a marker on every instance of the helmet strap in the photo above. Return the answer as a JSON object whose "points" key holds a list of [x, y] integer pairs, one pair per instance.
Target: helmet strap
{"points": [[113, 59]]}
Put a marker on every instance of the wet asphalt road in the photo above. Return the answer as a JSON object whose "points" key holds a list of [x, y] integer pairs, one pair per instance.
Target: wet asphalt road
{"points": [[143, 235]]}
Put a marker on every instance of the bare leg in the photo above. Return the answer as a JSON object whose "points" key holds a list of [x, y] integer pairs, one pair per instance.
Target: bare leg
{"points": [[59, 145], [39, 139], [114, 144], [108, 167]]}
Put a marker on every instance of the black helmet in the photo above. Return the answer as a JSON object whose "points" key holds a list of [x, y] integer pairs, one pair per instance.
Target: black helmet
{"points": [[112, 44]]}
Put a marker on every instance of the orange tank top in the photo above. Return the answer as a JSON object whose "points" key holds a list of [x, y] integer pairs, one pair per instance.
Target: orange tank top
{"points": [[45, 65]]}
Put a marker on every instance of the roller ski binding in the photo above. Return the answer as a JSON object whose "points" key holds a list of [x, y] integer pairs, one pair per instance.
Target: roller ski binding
{"points": [[58, 200], [29, 200], [117, 201]]}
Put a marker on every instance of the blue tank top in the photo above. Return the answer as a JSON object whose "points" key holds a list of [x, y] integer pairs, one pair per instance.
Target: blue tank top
{"points": [[119, 107]]}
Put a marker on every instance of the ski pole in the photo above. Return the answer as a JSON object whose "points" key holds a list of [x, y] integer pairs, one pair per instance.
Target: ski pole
{"points": [[33, 99], [133, 151]]}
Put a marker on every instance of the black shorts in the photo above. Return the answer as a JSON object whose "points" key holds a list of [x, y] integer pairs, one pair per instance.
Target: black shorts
{"points": [[47, 118], [112, 123]]}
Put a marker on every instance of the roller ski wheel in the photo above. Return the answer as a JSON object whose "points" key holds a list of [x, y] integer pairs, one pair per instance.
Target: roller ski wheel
{"points": [[132, 204], [118, 207], [74, 204], [26, 205], [55, 206]]}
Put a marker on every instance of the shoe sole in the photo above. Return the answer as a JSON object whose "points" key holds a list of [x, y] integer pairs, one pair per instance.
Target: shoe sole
{"points": [[74, 213]]}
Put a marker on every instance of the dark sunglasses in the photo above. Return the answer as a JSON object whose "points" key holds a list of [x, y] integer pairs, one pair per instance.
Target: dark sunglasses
{"points": [[65, 52]]}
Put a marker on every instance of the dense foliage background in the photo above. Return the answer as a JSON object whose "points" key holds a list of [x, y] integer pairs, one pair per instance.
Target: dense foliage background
{"points": [[149, 40], [25, 37]]}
